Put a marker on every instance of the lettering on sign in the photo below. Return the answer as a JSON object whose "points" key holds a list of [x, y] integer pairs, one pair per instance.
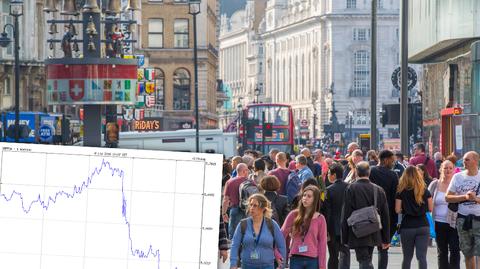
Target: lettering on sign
{"points": [[147, 125]]}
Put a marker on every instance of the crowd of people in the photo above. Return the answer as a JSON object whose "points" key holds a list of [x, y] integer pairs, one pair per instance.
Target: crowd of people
{"points": [[279, 211]]}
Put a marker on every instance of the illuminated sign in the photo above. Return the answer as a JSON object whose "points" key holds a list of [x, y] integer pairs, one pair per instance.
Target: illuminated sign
{"points": [[69, 84], [148, 124]]}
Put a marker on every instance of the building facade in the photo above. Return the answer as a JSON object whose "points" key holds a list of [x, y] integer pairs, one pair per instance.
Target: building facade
{"points": [[166, 34], [318, 57], [242, 58], [32, 53], [442, 37]]}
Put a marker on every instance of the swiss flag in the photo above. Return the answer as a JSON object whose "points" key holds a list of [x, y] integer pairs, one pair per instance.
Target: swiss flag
{"points": [[76, 89]]}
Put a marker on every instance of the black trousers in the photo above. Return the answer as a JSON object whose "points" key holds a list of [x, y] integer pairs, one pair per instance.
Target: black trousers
{"points": [[364, 257], [339, 256], [447, 239]]}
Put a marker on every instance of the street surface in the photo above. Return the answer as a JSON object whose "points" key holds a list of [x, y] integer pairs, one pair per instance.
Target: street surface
{"points": [[394, 259]]}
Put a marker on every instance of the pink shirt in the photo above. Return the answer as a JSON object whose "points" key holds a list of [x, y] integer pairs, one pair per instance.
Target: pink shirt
{"points": [[282, 175], [315, 239], [232, 190]]}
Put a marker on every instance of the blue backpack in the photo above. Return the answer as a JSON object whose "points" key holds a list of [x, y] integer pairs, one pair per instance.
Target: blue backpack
{"points": [[293, 186]]}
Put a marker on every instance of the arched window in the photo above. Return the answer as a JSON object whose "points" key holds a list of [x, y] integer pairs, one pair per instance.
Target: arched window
{"points": [[160, 88], [181, 89], [361, 74]]}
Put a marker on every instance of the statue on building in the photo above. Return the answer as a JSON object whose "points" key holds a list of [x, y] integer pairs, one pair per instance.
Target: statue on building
{"points": [[67, 41]]}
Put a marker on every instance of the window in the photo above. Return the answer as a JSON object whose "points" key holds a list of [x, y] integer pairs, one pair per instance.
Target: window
{"points": [[160, 88], [155, 33], [180, 1], [260, 67], [380, 4], [361, 34], [181, 33], [351, 3], [181, 90], [8, 86], [361, 74], [361, 116]]}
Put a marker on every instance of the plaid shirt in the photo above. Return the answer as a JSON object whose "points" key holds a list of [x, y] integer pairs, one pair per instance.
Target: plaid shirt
{"points": [[223, 242]]}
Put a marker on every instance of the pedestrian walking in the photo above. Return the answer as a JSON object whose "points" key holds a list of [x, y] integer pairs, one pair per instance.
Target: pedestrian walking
{"points": [[304, 172], [445, 219], [383, 176], [307, 230], [258, 171], [257, 237], [420, 157], [270, 185], [349, 174], [281, 172], [339, 256], [413, 201], [231, 197], [464, 190], [359, 195]]}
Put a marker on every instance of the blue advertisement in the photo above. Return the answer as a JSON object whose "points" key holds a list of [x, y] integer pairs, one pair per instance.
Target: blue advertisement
{"points": [[46, 130], [31, 119]]}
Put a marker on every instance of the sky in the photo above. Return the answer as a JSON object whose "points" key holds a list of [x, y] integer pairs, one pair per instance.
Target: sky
{"points": [[230, 6]]}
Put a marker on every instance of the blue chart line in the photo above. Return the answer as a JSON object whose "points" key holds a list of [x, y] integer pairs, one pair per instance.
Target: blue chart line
{"points": [[78, 190]]}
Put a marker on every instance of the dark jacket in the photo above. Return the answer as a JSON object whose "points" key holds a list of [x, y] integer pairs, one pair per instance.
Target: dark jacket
{"points": [[358, 195], [388, 180], [280, 202], [223, 242], [333, 206]]}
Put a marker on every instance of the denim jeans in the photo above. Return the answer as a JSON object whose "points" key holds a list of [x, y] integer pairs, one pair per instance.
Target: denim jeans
{"points": [[302, 262], [236, 215], [257, 267]]}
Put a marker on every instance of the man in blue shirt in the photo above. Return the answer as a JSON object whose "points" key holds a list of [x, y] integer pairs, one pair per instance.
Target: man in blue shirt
{"points": [[304, 172]]}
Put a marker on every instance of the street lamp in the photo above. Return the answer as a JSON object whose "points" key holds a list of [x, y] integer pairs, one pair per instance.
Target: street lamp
{"points": [[240, 117], [194, 10], [16, 10], [257, 93]]}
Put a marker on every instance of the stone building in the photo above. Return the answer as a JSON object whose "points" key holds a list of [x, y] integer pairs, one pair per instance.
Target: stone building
{"points": [[166, 35], [32, 53]]}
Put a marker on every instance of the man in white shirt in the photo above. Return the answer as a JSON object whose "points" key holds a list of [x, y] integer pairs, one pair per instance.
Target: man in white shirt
{"points": [[465, 190]]}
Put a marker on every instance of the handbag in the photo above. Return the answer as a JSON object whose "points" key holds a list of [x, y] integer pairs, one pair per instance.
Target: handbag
{"points": [[366, 221]]}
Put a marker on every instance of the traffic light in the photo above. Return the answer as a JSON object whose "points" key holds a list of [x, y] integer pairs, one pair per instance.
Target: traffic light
{"points": [[267, 129], [384, 116]]}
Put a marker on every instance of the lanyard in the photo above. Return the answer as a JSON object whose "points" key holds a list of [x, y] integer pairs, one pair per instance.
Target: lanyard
{"points": [[305, 231], [255, 238]]}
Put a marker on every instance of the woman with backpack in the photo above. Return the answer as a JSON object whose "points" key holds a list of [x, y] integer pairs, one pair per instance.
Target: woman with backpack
{"points": [[270, 185], [257, 237], [307, 231], [413, 200]]}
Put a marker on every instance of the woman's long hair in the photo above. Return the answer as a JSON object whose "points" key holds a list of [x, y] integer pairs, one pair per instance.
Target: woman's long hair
{"points": [[441, 178], [299, 220], [412, 179]]}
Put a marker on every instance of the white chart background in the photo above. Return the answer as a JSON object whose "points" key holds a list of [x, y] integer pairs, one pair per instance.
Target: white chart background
{"points": [[172, 203]]}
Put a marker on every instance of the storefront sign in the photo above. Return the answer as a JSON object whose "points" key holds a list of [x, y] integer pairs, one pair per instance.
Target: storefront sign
{"points": [[148, 124]]}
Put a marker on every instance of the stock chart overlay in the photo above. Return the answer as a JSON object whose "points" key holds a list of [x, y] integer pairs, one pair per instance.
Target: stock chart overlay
{"points": [[107, 208]]}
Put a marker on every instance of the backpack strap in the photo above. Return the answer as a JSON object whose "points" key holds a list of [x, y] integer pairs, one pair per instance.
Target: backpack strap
{"points": [[375, 193], [243, 228], [272, 231]]}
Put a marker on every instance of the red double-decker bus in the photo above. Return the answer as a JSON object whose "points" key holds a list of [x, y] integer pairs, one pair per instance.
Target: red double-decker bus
{"points": [[281, 118]]}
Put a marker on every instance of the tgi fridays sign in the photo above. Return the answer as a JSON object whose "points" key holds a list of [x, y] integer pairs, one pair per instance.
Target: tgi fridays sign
{"points": [[91, 84]]}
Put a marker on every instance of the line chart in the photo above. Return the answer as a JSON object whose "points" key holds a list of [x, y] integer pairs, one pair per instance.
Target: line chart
{"points": [[112, 225]]}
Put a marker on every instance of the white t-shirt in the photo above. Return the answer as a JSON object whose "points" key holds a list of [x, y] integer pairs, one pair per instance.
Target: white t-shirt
{"points": [[461, 184]]}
